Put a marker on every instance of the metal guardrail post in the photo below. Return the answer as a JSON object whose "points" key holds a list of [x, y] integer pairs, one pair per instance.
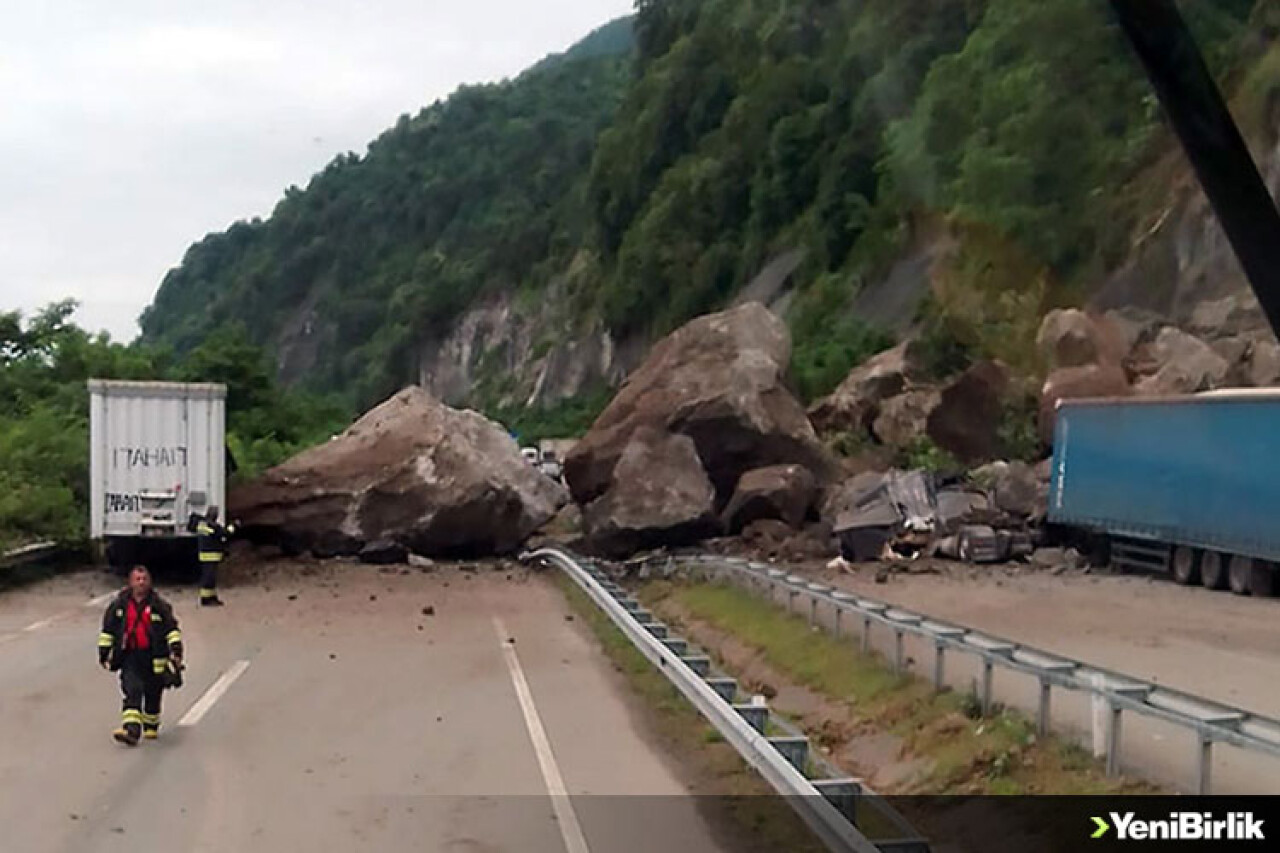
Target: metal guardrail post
{"points": [[866, 634], [988, 677], [839, 614], [1204, 764], [1042, 720], [1113, 741], [939, 665], [898, 654]]}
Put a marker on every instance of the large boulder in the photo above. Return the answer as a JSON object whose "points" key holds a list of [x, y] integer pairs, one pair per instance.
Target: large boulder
{"points": [[1015, 487], [413, 473], [1070, 383], [1069, 337], [719, 380], [1230, 315], [783, 492], [966, 421], [905, 418], [1264, 364], [854, 405], [660, 496], [1187, 365]]}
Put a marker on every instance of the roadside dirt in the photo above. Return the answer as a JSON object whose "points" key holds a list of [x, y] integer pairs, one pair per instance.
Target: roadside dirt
{"points": [[852, 744]]}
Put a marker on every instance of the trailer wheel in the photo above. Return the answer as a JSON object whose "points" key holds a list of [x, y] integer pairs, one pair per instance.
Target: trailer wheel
{"points": [[1262, 583], [1213, 570], [1186, 565], [1240, 574]]}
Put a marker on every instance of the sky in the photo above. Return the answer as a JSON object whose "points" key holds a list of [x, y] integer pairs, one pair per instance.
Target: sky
{"points": [[130, 129]]}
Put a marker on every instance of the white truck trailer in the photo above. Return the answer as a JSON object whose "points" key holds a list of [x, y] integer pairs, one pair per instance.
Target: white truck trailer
{"points": [[157, 454]]}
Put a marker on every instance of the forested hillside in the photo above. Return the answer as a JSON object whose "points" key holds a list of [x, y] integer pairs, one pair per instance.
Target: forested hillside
{"points": [[667, 169]]}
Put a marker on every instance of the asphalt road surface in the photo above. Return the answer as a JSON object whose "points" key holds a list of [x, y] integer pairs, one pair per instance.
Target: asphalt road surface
{"points": [[327, 712]]}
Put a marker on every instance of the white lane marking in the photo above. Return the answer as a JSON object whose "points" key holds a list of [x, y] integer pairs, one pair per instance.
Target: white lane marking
{"points": [[213, 694], [566, 817], [43, 623], [102, 599]]}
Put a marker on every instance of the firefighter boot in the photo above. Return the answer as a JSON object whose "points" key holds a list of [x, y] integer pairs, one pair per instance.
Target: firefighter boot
{"points": [[130, 730], [150, 726], [127, 734]]}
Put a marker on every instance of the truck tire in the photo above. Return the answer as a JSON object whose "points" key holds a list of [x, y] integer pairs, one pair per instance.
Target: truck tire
{"points": [[1213, 570], [1186, 565], [1240, 574], [1262, 583]]}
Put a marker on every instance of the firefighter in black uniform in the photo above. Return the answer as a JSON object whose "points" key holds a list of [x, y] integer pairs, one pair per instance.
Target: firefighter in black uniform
{"points": [[212, 539], [140, 640]]}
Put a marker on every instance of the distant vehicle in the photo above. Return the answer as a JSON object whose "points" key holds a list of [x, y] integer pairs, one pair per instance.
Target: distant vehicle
{"points": [[551, 466], [545, 461], [157, 454], [1186, 484]]}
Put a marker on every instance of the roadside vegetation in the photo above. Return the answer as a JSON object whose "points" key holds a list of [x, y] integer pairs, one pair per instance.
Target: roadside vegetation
{"points": [[963, 752], [45, 362]]}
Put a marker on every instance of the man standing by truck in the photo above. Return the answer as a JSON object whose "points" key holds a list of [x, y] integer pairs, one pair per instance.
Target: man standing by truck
{"points": [[140, 640], [212, 545]]}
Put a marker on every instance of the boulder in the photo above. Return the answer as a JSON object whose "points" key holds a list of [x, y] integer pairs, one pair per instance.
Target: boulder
{"points": [[783, 492], [1070, 383], [1066, 338], [720, 380], [1264, 364], [1235, 351], [1187, 365], [659, 495], [1228, 316], [853, 406], [905, 418], [384, 552], [966, 421], [1133, 326], [1018, 491], [412, 471]]}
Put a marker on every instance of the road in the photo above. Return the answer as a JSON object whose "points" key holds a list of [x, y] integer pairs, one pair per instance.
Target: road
{"points": [[356, 722], [1212, 644]]}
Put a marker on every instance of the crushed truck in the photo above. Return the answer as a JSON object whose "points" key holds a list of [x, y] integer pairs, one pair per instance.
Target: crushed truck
{"points": [[157, 455], [1189, 485]]}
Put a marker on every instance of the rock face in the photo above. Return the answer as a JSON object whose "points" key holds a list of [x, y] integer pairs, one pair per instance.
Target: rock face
{"points": [[412, 472], [967, 419], [1187, 365], [855, 403], [905, 418], [782, 492], [720, 381], [660, 496], [1069, 383]]}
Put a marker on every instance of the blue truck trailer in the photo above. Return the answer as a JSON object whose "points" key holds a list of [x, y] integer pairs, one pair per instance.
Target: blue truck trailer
{"points": [[1185, 484]]}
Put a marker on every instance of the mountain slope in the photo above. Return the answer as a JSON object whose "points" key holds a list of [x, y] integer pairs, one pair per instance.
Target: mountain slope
{"points": [[476, 194], [522, 243]]}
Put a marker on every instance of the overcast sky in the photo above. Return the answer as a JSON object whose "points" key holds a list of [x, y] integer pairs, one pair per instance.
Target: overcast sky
{"points": [[129, 129]]}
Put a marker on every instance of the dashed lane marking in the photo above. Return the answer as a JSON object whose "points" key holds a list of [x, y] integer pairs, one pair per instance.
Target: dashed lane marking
{"points": [[566, 817], [213, 694]]}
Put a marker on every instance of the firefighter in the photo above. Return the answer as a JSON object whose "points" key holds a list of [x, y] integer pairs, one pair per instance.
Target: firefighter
{"points": [[140, 640], [212, 544]]}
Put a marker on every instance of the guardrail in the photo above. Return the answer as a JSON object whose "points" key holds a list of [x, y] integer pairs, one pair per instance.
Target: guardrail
{"points": [[829, 806], [1211, 722]]}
